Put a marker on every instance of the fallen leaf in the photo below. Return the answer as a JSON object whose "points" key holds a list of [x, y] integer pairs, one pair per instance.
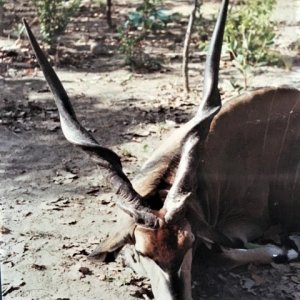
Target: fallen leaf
{"points": [[39, 267], [64, 177], [56, 208], [57, 204], [72, 222], [4, 230], [259, 280], [43, 90], [105, 202], [85, 271], [59, 199], [80, 252], [248, 284], [69, 222], [93, 191], [27, 214], [68, 246]]}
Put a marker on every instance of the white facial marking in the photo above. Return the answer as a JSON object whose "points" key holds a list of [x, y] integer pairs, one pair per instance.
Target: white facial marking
{"points": [[175, 197], [160, 279]]}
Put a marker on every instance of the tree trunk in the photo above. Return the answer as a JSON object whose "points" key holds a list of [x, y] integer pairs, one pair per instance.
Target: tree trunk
{"points": [[108, 13], [1, 19], [186, 47]]}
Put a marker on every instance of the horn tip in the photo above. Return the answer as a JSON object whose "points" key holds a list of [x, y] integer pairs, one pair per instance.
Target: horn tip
{"points": [[24, 21], [25, 24]]}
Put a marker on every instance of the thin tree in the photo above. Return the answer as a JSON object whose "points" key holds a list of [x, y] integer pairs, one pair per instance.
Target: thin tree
{"points": [[1, 17], [186, 47], [108, 13]]}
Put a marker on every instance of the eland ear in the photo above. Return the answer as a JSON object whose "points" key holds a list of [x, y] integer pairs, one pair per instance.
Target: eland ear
{"points": [[108, 249]]}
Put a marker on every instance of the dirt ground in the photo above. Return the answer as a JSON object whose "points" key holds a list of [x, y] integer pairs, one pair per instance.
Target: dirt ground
{"points": [[55, 206]]}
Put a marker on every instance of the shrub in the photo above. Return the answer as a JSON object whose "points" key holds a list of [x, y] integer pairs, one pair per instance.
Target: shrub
{"points": [[54, 15], [150, 16], [250, 34], [129, 45], [147, 17]]}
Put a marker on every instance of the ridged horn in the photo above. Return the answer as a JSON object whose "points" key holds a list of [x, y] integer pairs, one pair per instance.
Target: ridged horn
{"points": [[76, 134], [209, 107]]}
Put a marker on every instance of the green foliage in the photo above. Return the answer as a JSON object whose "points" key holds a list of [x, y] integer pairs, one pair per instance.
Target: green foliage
{"points": [[129, 45], [2, 2], [134, 55], [18, 30], [250, 34], [100, 3], [54, 15], [149, 16]]}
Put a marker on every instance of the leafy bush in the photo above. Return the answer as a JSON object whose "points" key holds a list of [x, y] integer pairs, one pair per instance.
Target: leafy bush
{"points": [[147, 17], [54, 15], [150, 16], [129, 45], [100, 3], [250, 34]]}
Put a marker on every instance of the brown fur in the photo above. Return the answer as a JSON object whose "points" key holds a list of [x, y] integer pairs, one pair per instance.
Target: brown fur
{"points": [[166, 245], [250, 164], [248, 172], [224, 177]]}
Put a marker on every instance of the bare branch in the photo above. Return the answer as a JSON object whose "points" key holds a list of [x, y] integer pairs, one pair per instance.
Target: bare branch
{"points": [[186, 47]]}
